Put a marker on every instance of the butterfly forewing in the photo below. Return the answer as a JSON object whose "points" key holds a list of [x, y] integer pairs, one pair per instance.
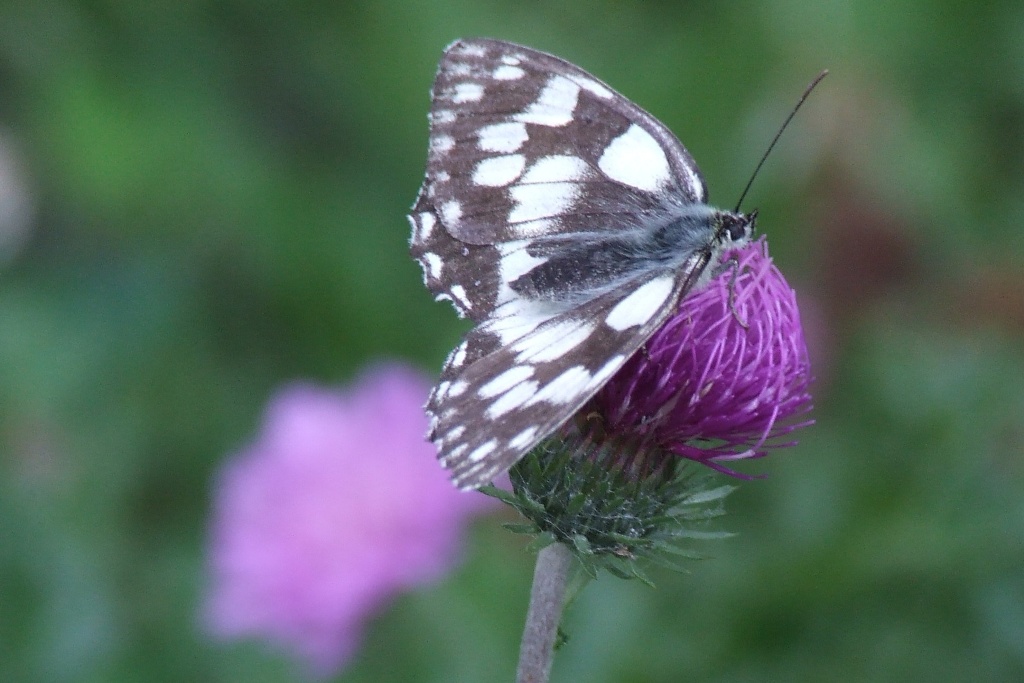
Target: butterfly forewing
{"points": [[535, 170], [524, 144]]}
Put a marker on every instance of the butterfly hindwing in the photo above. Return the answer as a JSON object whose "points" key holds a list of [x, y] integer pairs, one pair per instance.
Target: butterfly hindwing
{"points": [[490, 410]]}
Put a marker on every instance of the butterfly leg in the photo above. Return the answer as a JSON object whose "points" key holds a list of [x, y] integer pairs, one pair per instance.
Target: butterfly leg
{"points": [[733, 263]]}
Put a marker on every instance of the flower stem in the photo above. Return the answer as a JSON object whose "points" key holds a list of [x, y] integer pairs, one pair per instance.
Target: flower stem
{"points": [[550, 577]]}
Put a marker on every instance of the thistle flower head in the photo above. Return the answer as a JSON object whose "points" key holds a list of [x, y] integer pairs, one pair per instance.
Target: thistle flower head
{"points": [[725, 378], [336, 507], [722, 379]]}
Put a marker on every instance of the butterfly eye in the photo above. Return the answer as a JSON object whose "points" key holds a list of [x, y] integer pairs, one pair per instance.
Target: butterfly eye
{"points": [[738, 226]]}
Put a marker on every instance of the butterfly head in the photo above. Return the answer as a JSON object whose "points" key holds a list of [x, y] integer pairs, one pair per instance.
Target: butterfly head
{"points": [[735, 229]]}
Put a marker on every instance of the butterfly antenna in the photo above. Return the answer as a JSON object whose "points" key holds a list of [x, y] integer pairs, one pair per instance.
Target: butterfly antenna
{"points": [[778, 135]]}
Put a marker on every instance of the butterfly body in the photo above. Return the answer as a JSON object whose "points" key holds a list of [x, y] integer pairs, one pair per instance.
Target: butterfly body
{"points": [[567, 223]]}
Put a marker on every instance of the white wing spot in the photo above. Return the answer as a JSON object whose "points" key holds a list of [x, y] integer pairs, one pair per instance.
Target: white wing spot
{"points": [[523, 438], [457, 357], [442, 116], [502, 137], [454, 433], [555, 104], [508, 73], [553, 342], [606, 371], [432, 264], [641, 305], [513, 398], [451, 212], [565, 388], [635, 158], [467, 92], [499, 171], [695, 183], [511, 60], [454, 453], [505, 381], [542, 226], [556, 168], [459, 293], [594, 87], [514, 262], [516, 318], [457, 389], [473, 50], [541, 201], [442, 144], [426, 226], [482, 451]]}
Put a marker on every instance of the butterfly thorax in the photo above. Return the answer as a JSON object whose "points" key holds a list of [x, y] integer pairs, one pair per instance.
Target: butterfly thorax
{"points": [[582, 266]]}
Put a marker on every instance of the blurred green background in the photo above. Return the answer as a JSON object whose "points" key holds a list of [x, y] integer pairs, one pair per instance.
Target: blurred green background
{"points": [[202, 200]]}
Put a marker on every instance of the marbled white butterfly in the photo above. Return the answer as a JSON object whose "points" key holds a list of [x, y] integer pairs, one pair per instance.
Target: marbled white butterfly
{"points": [[567, 223]]}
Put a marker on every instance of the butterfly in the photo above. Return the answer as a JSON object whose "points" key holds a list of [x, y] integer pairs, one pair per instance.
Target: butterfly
{"points": [[567, 223]]}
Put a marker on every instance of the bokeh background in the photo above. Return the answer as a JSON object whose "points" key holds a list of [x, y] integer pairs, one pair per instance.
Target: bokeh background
{"points": [[202, 200]]}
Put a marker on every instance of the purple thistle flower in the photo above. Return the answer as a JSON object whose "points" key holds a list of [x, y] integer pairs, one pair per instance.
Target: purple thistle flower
{"points": [[335, 508], [709, 389]]}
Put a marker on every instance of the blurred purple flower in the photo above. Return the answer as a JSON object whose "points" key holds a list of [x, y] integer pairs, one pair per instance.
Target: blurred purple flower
{"points": [[706, 387], [337, 506]]}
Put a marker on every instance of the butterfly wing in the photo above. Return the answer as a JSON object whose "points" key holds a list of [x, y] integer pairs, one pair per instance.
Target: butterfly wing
{"points": [[489, 411], [534, 163], [526, 145]]}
